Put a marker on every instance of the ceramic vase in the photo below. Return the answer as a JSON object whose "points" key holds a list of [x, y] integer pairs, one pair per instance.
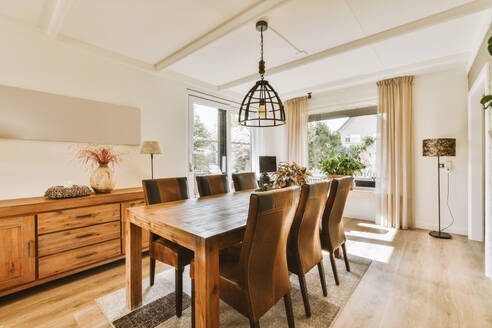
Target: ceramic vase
{"points": [[102, 179]]}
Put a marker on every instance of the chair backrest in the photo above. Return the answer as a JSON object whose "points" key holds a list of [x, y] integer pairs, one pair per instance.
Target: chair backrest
{"points": [[244, 181], [165, 190], [264, 273], [304, 239], [332, 234], [212, 184]]}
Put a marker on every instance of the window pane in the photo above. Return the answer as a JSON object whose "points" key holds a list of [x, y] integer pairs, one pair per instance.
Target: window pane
{"points": [[353, 137], [205, 140], [240, 146]]}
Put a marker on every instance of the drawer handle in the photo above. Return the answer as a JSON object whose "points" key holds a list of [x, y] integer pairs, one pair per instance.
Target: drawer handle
{"points": [[83, 216], [86, 235], [86, 255]]}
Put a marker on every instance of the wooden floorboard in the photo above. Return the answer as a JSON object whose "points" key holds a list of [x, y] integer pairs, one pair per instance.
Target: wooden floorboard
{"points": [[414, 281]]}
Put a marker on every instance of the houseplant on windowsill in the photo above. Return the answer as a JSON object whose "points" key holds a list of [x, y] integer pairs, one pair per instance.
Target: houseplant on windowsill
{"points": [[101, 160], [290, 175], [340, 166]]}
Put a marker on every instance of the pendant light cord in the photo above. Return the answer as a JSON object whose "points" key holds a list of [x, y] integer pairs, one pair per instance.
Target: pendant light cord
{"points": [[261, 51]]}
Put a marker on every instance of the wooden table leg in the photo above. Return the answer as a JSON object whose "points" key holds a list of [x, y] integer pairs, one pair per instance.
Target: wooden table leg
{"points": [[133, 244], [206, 284]]}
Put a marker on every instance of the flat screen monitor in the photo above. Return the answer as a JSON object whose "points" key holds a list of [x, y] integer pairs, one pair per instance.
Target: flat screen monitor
{"points": [[268, 164]]}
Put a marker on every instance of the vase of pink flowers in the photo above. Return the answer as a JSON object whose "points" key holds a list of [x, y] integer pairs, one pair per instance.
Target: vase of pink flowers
{"points": [[101, 159]]}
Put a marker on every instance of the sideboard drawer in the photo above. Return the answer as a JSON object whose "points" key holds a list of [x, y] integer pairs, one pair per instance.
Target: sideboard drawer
{"points": [[76, 218], [53, 264], [69, 239]]}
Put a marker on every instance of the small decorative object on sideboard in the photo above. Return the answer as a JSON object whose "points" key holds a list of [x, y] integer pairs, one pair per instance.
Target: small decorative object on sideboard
{"points": [[290, 175], [102, 160], [59, 192]]}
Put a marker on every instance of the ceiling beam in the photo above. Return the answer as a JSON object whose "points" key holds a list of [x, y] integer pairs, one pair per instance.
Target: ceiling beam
{"points": [[454, 13], [54, 13], [253, 12], [428, 66]]}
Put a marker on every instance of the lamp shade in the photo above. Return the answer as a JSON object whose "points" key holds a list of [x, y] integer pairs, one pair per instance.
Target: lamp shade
{"points": [[150, 147], [439, 147]]}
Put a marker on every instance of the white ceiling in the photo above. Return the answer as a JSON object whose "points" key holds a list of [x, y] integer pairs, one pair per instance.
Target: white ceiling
{"points": [[149, 31]]}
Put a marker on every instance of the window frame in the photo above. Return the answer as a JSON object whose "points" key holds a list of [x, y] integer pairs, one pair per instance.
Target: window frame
{"points": [[355, 111], [230, 108]]}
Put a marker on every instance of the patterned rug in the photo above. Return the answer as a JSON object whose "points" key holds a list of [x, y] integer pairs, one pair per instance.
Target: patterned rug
{"points": [[158, 309]]}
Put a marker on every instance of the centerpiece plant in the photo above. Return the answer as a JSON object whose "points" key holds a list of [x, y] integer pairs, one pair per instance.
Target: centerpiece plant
{"points": [[101, 160], [290, 175]]}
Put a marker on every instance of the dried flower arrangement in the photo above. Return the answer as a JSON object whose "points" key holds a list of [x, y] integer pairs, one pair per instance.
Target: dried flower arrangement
{"points": [[58, 192], [94, 155], [290, 175]]}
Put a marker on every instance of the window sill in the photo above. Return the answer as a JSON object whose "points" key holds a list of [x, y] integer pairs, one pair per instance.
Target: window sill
{"points": [[364, 189]]}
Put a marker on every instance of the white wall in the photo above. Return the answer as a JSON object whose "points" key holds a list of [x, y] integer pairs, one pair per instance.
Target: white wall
{"points": [[440, 110], [30, 60]]}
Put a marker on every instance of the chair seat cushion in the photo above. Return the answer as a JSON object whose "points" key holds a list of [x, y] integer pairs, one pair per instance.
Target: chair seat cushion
{"points": [[170, 253]]}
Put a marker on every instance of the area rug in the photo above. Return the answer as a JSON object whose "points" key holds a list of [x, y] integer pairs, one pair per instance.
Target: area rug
{"points": [[158, 309]]}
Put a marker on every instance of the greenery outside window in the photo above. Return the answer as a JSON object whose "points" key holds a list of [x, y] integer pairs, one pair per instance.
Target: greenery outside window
{"points": [[349, 134]]}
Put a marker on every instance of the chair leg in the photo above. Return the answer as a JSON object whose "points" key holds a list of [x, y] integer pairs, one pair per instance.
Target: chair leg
{"points": [[334, 268], [152, 271], [288, 310], [192, 303], [179, 291], [254, 324], [305, 299], [322, 278], [347, 264]]}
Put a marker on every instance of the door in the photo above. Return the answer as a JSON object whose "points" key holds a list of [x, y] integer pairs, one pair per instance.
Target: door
{"points": [[208, 148], [17, 259]]}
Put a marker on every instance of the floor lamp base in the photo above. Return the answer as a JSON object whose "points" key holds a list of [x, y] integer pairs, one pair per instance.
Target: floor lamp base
{"points": [[440, 234]]}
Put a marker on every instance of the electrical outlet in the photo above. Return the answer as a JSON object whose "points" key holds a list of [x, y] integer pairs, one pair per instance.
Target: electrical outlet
{"points": [[447, 166]]}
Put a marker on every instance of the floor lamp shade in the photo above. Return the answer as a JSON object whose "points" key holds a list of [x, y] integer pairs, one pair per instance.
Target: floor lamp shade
{"points": [[151, 148], [438, 147]]}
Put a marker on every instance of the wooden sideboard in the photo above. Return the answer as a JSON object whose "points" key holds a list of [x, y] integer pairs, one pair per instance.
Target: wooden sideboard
{"points": [[43, 240]]}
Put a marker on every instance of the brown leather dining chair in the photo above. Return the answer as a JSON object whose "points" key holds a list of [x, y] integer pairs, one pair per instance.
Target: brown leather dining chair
{"points": [[332, 234], [304, 245], [160, 191], [255, 276], [244, 181], [212, 184]]}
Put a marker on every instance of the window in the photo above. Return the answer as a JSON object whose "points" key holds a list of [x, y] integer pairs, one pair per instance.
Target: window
{"points": [[220, 144], [351, 134], [240, 146], [209, 155]]}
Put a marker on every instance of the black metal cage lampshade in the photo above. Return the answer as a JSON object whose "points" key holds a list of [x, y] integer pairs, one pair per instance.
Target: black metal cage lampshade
{"points": [[262, 107]]}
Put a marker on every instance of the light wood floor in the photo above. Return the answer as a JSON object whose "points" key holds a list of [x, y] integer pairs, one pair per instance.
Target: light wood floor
{"points": [[414, 281]]}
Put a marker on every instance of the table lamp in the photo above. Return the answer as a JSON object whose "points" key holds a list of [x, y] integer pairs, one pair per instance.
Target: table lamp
{"points": [[151, 147], [438, 147]]}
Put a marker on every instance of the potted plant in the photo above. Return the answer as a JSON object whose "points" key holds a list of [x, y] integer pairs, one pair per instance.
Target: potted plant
{"points": [[340, 165], [101, 160], [290, 175]]}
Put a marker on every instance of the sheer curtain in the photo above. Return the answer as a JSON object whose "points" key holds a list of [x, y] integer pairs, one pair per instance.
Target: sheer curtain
{"points": [[296, 114], [395, 170]]}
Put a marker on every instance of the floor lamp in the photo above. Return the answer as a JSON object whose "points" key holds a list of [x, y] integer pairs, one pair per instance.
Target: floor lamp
{"points": [[438, 147], [152, 148]]}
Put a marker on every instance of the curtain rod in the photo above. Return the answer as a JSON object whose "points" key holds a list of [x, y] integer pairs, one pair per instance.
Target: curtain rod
{"points": [[213, 96]]}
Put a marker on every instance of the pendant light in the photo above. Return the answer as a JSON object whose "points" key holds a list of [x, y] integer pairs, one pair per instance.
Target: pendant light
{"points": [[262, 107]]}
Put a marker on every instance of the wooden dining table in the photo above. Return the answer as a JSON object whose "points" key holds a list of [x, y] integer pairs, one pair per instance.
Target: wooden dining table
{"points": [[204, 225]]}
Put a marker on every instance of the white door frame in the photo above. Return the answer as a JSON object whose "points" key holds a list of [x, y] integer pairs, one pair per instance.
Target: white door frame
{"points": [[475, 232]]}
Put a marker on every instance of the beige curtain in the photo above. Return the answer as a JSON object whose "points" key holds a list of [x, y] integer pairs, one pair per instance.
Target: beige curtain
{"points": [[296, 114], [395, 176]]}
